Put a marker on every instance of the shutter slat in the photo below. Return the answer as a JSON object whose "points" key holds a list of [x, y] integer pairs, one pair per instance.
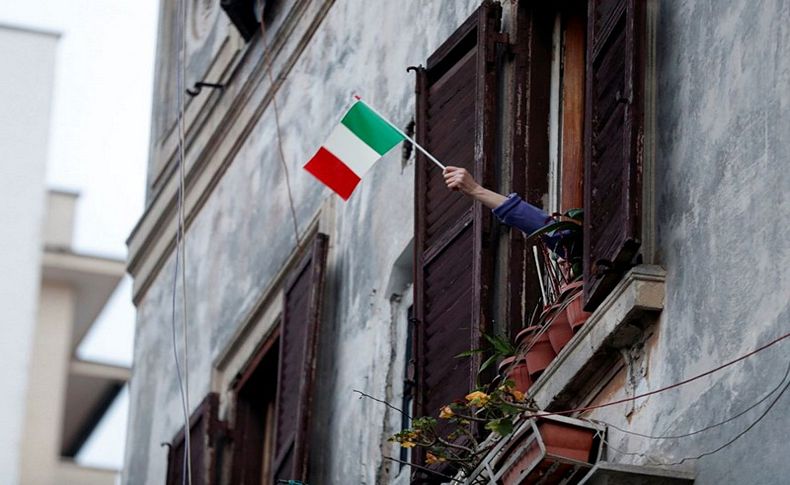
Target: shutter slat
{"points": [[613, 139]]}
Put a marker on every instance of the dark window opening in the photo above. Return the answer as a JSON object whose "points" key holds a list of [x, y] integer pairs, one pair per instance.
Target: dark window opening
{"points": [[248, 15], [255, 393], [409, 385]]}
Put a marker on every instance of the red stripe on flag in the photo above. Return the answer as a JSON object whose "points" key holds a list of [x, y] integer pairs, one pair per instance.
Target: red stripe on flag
{"points": [[333, 173]]}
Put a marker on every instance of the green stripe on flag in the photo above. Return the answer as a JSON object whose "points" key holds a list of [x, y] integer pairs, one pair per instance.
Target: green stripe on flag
{"points": [[371, 128]]}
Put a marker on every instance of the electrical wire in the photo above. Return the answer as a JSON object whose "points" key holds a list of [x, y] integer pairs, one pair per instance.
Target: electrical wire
{"points": [[662, 389], [283, 162], [706, 428], [706, 453], [180, 247]]}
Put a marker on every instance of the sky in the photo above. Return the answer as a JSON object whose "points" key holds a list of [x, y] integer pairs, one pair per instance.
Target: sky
{"points": [[99, 147]]}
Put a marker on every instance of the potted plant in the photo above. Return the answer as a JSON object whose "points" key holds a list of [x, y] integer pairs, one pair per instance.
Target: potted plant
{"points": [[501, 349], [551, 449], [560, 269], [535, 346], [452, 438], [515, 369]]}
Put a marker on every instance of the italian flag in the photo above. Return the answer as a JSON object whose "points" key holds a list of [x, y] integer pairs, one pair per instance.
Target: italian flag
{"points": [[361, 139]]}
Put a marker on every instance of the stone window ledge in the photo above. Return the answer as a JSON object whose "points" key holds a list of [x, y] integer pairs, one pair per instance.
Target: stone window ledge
{"points": [[614, 325], [607, 473]]}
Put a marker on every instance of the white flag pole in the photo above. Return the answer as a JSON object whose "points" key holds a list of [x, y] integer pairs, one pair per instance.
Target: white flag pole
{"points": [[404, 135]]}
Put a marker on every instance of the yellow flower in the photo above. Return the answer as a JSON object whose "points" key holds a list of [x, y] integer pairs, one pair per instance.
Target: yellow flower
{"points": [[517, 395], [446, 412], [431, 459], [477, 398], [407, 444]]}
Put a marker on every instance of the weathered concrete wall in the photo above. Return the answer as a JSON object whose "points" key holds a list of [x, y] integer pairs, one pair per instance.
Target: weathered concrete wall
{"points": [[722, 182], [243, 236]]}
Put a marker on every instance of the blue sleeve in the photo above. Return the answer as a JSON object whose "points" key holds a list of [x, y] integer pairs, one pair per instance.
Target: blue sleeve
{"points": [[526, 217], [521, 215]]}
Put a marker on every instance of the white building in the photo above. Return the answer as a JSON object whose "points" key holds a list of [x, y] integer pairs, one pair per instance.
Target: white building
{"points": [[28, 60], [50, 295]]}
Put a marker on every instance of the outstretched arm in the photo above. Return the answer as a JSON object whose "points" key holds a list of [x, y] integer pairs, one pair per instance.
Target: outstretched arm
{"points": [[461, 180], [510, 210]]}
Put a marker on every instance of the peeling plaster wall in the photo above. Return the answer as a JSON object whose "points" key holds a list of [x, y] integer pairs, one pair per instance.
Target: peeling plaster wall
{"points": [[722, 163], [243, 235]]}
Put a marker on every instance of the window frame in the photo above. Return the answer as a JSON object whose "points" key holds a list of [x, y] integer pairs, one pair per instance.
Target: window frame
{"points": [[241, 458]]}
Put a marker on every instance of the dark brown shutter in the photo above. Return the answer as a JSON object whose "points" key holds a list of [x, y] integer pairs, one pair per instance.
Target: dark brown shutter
{"points": [[298, 346], [613, 145], [533, 27], [204, 429], [453, 266]]}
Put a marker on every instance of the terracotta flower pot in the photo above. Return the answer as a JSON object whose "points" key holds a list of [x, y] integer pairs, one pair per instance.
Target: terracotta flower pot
{"points": [[575, 312], [560, 332], [551, 462], [517, 372], [569, 288], [567, 441], [540, 353]]}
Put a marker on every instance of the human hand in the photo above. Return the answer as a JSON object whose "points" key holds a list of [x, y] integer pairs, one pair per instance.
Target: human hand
{"points": [[459, 179]]}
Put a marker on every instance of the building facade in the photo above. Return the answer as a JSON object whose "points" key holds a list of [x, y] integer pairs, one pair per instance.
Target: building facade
{"points": [[663, 120]]}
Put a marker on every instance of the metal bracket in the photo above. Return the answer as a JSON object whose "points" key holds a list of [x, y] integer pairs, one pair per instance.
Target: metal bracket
{"points": [[623, 99], [200, 85]]}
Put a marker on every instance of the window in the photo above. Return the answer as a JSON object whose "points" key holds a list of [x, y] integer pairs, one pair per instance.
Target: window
{"points": [[575, 135], [584, 54], [255, 392], [267, 376], [246, 15]]}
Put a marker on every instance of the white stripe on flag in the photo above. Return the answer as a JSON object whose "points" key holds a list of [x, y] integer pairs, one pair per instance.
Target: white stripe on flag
{"points": [[351, 150]]}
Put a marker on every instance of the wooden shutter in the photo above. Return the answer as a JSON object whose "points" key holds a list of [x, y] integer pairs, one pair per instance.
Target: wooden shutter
{"points": [[453, 264], [533, 27], [613, 144], [204, 430], [298, 348]]}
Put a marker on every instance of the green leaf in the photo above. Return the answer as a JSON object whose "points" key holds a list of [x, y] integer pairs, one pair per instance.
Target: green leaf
{"points": [[556, 226], [576, 214], [469, 353], [501, 426], [501, 344], [485, 365]]}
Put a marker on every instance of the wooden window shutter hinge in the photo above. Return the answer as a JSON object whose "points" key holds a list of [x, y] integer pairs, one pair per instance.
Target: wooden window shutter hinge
{"points": [[498, 39]]}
